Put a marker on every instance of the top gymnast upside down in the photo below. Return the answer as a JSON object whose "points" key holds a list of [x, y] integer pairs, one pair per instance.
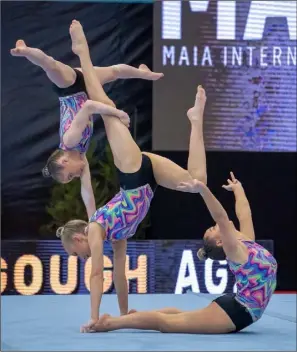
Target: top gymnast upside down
{"points": [[76, 120]]}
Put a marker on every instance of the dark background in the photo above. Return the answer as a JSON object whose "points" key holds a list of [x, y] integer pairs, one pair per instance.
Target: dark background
{"points": [[119, 33]]}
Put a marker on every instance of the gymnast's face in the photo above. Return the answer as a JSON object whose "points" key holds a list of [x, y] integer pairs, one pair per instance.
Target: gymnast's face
{"points": [[213, 235], [79, 246], [73, 167]]}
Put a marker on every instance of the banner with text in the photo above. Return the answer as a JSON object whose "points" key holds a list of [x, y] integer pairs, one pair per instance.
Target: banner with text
{"points": [[244, 55], [43, 267]]}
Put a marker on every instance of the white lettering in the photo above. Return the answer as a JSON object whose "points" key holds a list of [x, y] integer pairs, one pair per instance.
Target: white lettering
{"points": [[195, 56], [225, 56], [277, 53], [251, 49], [172, 16], [236, 56], [261, 10], [183, 281], [291, 56], [168, 53], [184, 57], [263, 56], [226, 18], [171, 20], [221, 273], [206, 57]]}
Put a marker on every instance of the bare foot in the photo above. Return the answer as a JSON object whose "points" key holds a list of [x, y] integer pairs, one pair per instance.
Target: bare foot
{"points": [[20, 49], [101, 326], [104, 109], [150, 75], [196, 112], [79, 41]]}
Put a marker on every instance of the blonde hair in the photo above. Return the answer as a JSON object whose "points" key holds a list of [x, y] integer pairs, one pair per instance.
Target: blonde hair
{"points": [[72, 227], [201, 254]]}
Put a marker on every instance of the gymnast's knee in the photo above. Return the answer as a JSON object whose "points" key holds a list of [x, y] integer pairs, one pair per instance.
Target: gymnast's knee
{"points": [[129, 164], [165, 323]]}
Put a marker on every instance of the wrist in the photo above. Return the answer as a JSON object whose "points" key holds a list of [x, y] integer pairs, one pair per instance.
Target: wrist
{"points": [[238, 190], [204, 190]]}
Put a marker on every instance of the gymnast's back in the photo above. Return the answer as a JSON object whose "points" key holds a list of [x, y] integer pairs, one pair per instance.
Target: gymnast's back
{"points": [[255, 279]]}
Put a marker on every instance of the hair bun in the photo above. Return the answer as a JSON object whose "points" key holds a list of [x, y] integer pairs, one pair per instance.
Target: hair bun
{"points": [[201, 254], [59, 232], [46, 172]]}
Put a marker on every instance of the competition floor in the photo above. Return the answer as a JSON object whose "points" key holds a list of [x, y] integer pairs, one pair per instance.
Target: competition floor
{"points": [[51, 323]]}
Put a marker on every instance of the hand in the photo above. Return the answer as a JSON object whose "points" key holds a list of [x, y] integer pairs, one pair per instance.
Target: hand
{"points": [[90, 326], [193, 186], [233, 184]]}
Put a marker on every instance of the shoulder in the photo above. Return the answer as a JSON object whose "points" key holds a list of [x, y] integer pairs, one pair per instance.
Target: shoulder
{"points": [[95, 232], [240, 253]]}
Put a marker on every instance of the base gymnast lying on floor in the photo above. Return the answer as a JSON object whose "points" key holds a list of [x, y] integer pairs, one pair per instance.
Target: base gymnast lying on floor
{"points": [[253, 266]]}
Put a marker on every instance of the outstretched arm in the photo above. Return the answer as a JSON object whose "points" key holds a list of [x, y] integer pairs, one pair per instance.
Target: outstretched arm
{"points": [[231, 245], [81, 120], [119, 274], [95, 239], [87, 192], [242, 207]]}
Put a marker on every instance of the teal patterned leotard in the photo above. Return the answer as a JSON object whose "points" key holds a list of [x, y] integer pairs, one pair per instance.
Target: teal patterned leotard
{"points": [[121, 216], [256, 279]]}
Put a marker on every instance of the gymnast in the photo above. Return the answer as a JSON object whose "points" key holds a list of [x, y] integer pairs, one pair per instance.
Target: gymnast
{"points": [[253, 266], [139, 174], [76, 121]]}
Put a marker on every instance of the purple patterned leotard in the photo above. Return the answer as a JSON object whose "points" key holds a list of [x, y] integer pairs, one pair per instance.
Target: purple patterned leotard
{"points": [[121, 216], [256, 279], [69, 107]]}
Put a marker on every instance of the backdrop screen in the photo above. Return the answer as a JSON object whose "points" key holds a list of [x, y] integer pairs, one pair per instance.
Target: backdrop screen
{"points": [[43, 267], [244, 54]]}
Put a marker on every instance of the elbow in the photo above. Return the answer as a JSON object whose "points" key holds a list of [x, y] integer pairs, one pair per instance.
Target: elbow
{"points": [[89, 107]]}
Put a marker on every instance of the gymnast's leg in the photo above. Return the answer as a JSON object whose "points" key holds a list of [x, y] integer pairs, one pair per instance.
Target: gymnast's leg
{"points": [[167, 173], [163, 310], [63, 76], [209, 320], [126, 153]]}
